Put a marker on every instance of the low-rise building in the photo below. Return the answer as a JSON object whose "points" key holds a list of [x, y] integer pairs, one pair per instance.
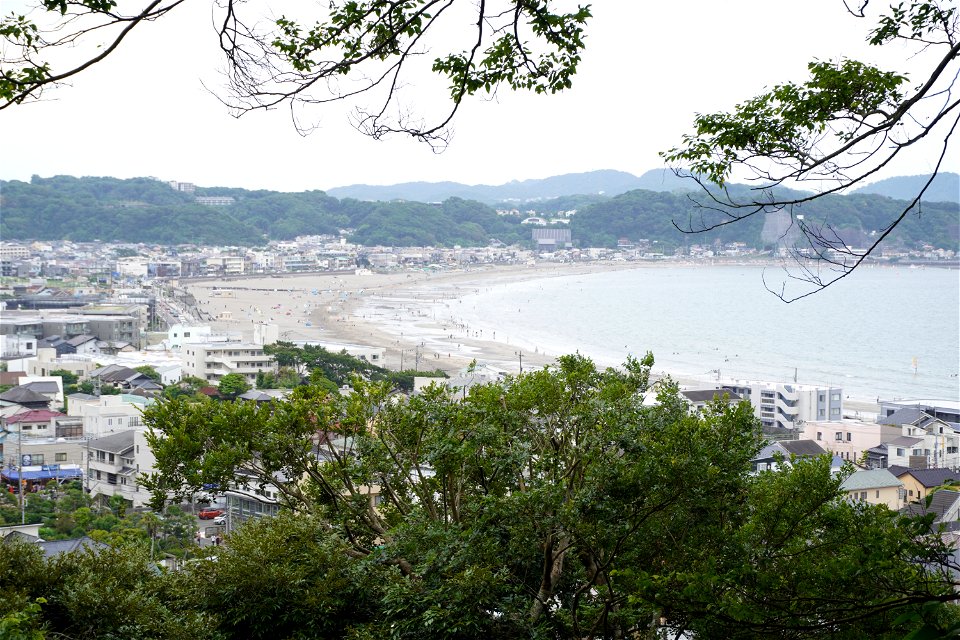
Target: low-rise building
{"points": [[113, 467], [211, 361], [102, 415], [919, 483], [875, 486], [848, 439]]}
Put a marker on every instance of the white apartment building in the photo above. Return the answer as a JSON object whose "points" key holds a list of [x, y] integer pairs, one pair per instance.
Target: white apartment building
{"points": [[230, 265], [17, 345], [787, 405], [114, 463], [213, 360], [181, 334], [107, 414]]}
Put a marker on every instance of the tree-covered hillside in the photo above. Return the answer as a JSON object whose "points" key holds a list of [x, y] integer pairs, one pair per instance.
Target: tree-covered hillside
{"points": [[147, 210], [855, 218]]}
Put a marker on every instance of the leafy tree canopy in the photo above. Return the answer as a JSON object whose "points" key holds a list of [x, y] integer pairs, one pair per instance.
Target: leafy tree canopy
{"points": [[560, 503], [233, 384]]}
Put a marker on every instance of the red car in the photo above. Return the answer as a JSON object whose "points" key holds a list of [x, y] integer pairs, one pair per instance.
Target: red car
{"points": [[209, 514]]}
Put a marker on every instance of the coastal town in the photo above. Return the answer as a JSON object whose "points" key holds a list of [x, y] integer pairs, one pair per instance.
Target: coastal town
{"points": [[101, 317]]}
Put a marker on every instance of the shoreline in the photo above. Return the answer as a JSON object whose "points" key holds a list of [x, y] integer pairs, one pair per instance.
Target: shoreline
{"points": [[410, 314]]}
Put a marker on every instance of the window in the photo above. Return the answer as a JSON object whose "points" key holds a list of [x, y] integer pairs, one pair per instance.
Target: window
{"points": [[835, 397], [821, 413], [838, 436], [863, 495], [849, 437], [60, 457], [26, 427], [822, 397], [112, 458], [819, 435], [186, 334], [37, 458], [835, 411], [878, 494], [901, 452]]}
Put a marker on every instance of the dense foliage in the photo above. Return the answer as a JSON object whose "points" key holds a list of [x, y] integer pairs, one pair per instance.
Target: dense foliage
{"points": [[339, 368], [858, 218], [66, 511], [558, 504], [145, 210]]}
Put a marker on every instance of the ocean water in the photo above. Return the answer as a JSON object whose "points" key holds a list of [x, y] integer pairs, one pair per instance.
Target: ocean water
{"points": [[886, 332]]}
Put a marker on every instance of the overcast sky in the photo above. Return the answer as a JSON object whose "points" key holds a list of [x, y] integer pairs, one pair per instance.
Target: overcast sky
{"points": [[648, 67]]}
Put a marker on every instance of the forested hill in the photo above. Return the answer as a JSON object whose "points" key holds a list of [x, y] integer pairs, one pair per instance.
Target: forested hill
{"points": [[147, 210]]}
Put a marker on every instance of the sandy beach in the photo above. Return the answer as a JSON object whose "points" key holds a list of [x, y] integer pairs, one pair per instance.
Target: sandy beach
{"points": [[406, 313], [411, 315]]}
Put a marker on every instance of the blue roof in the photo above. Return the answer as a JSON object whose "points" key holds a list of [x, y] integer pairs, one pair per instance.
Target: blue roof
{"points": [[45, 473]]}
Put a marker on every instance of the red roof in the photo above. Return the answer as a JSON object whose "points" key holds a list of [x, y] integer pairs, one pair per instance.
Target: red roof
{"points": [[37, 415]]}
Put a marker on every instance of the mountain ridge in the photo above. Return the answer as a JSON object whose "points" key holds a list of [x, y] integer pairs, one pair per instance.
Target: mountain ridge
{"points": [[609, 183]]}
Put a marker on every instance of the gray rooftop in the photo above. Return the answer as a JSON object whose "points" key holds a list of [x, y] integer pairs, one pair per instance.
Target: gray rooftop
{"points": [[904, 441], [907, 415], [931, 477], [803, 447], [115, 442], [707, 395], [23, 394]]}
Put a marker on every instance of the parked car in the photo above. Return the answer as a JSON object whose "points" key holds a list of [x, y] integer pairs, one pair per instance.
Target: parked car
{"points": [[209, 514], [220, 521]]}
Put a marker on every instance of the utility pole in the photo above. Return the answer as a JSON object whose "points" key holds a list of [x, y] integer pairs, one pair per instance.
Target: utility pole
{"points": [[23, 513]]}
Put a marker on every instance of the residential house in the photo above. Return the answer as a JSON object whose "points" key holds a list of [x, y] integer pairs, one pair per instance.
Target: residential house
{"points": [[848, 439], [875, 486], [944, 504], [50, 387], [938, 446], [84, 344], [946, 410], [24, 397], [47, 360], [34, 423], [919, 483], [122, 377], [769, 457]]}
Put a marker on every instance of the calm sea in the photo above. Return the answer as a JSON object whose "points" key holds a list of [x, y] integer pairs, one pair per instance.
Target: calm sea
{"points": [[884, 331]]}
